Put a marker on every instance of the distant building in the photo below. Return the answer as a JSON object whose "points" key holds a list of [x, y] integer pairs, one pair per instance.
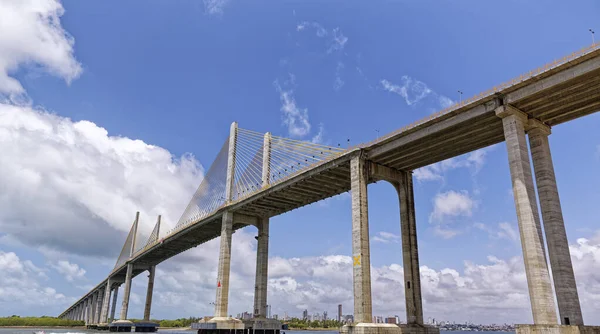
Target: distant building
{"points": [[305, 315], [268, 311], [390, 320], [324, 315], [339, 312], [378, 319], [275, 316]]}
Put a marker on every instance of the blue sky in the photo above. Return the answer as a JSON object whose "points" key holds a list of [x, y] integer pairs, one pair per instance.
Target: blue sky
{"points": [[175, 75]]}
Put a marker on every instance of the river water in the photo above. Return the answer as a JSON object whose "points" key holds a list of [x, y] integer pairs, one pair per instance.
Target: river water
{"points": [[166, 331]]}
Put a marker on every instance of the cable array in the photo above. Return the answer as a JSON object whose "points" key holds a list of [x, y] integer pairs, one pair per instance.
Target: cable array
{"points": [[210, 195], [126, 251]]}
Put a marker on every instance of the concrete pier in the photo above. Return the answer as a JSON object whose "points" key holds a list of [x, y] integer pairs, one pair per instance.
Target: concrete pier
{"points": [[126, 293], [532, 241], [114, 303], [361, 258], [410, 251], [105, 303], [554, 226], [262, 265], [149, 291]]}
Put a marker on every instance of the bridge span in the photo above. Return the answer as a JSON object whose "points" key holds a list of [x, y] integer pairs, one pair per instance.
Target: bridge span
{"points": [[257, 176]]}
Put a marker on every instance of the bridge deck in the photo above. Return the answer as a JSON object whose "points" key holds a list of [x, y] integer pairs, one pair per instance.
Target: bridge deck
{"points": [[557, 95]]}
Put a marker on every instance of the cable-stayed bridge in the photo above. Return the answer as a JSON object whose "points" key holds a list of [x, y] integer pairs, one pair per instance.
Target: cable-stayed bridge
{"points": [[256, 176]]}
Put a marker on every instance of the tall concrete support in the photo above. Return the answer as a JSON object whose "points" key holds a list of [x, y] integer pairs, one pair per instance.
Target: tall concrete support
{"points": [[151, 273], [360, 242], [222, 297], [532, 242], [262, 265], [410, 251], [99, 304], [266, 163], [105, 303], [126, 293], [114, 303], [93, 308], [554, 226]]}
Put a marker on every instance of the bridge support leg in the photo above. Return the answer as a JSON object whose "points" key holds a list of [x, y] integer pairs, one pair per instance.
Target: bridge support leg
{"points": [[556, 236], [221, 320], [534, 255], [99, 304], [410, 258], [114, 303], [93, 308], [124, 325], [260, 324], [105, 302], [361, 261], [149, 291]]}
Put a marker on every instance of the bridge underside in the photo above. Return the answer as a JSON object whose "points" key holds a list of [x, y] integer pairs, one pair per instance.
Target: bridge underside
{"points": [[551, 98]]}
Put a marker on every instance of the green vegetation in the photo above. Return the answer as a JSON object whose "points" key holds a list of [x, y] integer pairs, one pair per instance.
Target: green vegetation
{"points": [[43, 321], [181, 322], [296, 323]]}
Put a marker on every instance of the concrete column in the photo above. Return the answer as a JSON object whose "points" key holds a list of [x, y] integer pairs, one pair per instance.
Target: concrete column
{"points": [[151, 273], [532, 241], [79, 311], [93, 307], [105, 302], [410, 251], [114, 303], [97, 314], [222, 298], [266, 166], [106, 320], [360, 242], [127, 292], [262, 266], [554, 226]]}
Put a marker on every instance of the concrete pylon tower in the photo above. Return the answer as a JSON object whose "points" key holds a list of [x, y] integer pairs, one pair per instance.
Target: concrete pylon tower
{"points": [[223, 322]]}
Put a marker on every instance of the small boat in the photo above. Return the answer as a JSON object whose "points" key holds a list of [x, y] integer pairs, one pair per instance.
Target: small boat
{"points": [[39, 332]]}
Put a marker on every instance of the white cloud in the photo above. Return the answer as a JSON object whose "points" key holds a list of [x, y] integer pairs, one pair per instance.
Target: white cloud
{"points": [[215, 7], [335, 38], [473, 161], [71, 271], [338, 42], [411, 90], [414, 91], [338, 83], [386, 237], [318, 138], [451, 204], [56, 174], [294, 117], [21, 291], [502, 231], [32, 34]]}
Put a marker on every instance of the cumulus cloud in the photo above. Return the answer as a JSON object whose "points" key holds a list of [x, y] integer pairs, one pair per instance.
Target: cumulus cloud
{"points": [[32, 34], [61, 180], [21, 288], [451, 204], [414, 91], [71, 271]]}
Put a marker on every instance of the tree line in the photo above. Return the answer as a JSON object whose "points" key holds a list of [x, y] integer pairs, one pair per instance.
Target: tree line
{"points": [[15, 320]]}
